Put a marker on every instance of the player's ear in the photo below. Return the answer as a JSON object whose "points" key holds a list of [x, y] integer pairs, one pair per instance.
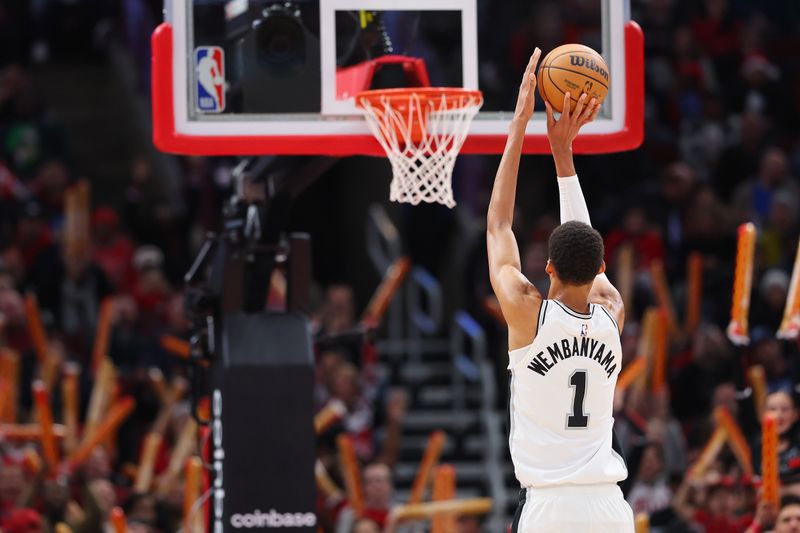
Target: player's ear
{"points": [[549, 268], [602, 268]]}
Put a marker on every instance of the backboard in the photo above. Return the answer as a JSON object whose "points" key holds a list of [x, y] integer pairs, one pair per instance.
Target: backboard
{"points": [[249, 77]]}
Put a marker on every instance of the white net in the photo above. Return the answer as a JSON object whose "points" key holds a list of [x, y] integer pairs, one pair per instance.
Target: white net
{"points": [[422, 134]]}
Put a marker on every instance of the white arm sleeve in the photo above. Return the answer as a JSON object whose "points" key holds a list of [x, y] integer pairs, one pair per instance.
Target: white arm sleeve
{"points": [[573, 205]]}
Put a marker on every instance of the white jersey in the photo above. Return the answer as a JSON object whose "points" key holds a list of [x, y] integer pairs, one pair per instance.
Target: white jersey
{"points": [[562, 395]]}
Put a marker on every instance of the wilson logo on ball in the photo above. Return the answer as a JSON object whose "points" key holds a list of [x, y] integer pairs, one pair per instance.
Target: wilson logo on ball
{"points": [[589, 63]]}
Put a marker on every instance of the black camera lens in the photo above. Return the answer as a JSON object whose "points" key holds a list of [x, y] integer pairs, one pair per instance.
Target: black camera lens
{"points": [[280, 40]]}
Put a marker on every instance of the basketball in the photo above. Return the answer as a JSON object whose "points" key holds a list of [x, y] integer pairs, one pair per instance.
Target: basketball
{"points": [[576, 69]]}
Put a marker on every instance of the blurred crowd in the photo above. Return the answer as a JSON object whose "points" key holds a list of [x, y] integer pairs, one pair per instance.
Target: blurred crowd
{"points": [[722, 147]]}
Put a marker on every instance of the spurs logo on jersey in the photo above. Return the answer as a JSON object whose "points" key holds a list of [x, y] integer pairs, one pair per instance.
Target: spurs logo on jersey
{"points": [[562, 394]]}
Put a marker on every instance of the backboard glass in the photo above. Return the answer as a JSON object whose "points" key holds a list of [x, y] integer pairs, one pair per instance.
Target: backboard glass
{"points": [[246, 77]]}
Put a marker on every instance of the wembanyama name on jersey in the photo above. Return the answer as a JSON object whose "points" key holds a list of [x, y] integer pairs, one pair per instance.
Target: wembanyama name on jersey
{"points": [[593, 349]]}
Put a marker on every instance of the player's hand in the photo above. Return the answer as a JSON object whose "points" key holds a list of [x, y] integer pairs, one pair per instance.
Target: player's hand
{"points": [[563, 131], [527, 90]]}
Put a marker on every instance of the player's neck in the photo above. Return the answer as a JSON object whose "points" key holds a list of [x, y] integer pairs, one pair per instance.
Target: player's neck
{"points": [[576, 297]]}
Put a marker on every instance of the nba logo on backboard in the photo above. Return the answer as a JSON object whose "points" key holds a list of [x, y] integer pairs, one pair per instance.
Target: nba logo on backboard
{"points": [[209, 64]]}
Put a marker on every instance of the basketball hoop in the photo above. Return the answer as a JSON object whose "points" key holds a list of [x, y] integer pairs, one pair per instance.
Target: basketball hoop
{"points": [[421, 130]]}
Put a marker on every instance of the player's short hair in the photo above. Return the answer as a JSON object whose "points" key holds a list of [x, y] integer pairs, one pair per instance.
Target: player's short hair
{"points": [[576, 252]]}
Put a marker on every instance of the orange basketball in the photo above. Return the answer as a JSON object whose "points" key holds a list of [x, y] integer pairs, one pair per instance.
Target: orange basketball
{"points": [[572, 68]]}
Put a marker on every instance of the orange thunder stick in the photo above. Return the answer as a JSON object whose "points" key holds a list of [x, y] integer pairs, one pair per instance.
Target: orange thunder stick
{"points": [[736, 439], [61, 527], [710, 452], [333, 411], [147, 462], [738, 329], [645, 346], [5, 392], [694, 290], [662, 293], [625, 275], [429, 460], [49, 445], [118, 521], [176, 346], [116, 415], [9, 372], [790, 325], [660, 349], [193, 519], [35, 327], [770, 482], [642, 523], [70, 400], [630, 373], [444, 488], [758, 380], [351, 474], [102, 334], [380, 301]]}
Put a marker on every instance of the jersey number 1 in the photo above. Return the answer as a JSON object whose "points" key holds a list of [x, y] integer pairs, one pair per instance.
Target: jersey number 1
{"points": [[577, 419]]}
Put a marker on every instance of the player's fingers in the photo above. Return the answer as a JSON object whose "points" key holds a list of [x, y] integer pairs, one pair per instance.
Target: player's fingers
{"points": [[587, 113], [535, 60], [565, 109], [595, 112], [579, 106], [551, 121]]}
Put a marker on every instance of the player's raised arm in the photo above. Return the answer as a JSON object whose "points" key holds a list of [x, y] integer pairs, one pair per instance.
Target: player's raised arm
{"points": [[519, 299], [561, 133]]}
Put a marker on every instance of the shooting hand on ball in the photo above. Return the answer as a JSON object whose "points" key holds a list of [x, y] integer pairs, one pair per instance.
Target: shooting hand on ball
{"points": [[527, 89], [563, 131]]}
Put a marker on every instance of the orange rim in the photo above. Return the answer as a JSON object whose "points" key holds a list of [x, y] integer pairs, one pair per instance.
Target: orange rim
{"points": [[452, 95]]}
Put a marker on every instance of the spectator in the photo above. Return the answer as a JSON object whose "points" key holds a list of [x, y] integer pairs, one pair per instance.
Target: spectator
{"points": [[650, 492], [378, 491], [754, 198], [781, 406], [113, 252], [788, 520]]}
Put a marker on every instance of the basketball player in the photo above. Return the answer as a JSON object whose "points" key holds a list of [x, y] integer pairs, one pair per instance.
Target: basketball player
{"points": [[564, 351]]}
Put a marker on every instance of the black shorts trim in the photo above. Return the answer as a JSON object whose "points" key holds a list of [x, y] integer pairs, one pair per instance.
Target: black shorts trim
{"points": [[523, 493]]}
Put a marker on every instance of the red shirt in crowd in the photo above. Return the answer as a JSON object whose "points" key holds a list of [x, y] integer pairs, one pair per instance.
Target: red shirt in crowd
{"points": [[722, 524]]}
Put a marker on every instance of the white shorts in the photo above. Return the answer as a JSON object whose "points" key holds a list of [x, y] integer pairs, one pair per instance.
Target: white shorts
{"points": [[573, 509]]}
